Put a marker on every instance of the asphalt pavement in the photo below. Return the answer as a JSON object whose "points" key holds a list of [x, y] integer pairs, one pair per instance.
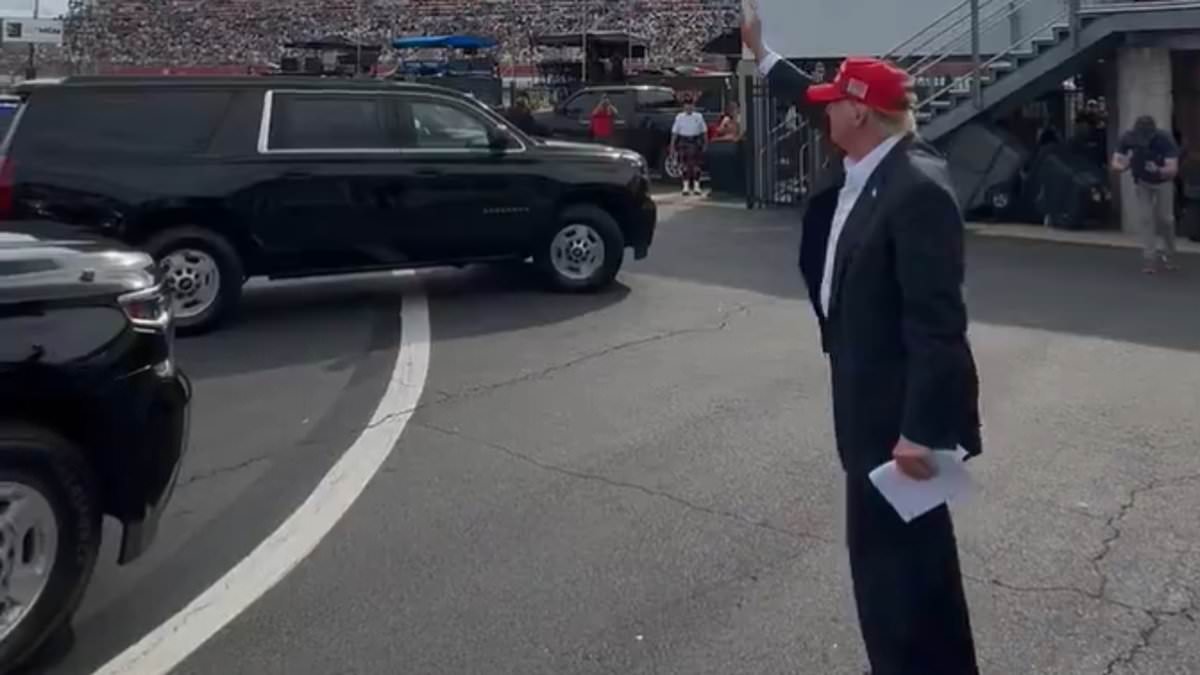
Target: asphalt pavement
{"points": [[644, 480]]}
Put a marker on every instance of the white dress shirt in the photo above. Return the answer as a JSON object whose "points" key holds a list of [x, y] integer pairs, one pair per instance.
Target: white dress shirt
{"points": [[857, 175], [689, 125]]}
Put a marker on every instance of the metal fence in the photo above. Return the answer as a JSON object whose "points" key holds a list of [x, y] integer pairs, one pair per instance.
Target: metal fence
{"points": [[785, 158]]}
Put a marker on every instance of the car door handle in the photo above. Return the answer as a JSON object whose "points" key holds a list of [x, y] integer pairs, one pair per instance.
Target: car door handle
{"points": [[297, 174], [431, 173]]}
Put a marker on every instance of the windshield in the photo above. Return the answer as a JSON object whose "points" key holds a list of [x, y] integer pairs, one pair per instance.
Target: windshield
{"points": [[496, 117]]}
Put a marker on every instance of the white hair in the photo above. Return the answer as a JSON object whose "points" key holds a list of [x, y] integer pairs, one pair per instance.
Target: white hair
{"points": [[897, 122]]}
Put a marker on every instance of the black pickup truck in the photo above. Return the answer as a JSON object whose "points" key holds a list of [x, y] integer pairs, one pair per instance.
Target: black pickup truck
{"points": [[645, 115], [93, 420]]}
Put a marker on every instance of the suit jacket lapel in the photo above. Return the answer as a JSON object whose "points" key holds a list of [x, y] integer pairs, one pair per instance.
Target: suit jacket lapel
{"points": [[860, 217]]}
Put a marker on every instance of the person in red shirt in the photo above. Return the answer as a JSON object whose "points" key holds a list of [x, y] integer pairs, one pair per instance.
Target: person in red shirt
{"points": [[730, 127], [604, 119]]}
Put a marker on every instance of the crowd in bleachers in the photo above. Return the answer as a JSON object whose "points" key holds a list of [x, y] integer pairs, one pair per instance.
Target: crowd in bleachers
{"points": [[252, 32]]}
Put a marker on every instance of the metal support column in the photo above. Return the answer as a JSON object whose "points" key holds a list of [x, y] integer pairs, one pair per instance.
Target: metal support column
{"points": [[1076, 24], [976, 60], [31, 67], [584, 71]]}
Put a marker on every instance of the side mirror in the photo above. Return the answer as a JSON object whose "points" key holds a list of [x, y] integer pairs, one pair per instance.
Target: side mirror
{"points": [[498, 139]]}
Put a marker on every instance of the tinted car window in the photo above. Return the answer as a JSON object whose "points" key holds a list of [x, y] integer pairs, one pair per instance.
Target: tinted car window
{"points": [[581, 106], [440, 125], [328, 122], [653, 98], [171, 122]]}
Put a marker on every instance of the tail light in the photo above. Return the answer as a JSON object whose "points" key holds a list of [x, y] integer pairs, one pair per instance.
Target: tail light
{"points": [[148, 309], [6, 188]]}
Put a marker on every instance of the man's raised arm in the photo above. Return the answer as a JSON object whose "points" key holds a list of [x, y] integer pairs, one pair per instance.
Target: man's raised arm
{"points": [[786, 80]]}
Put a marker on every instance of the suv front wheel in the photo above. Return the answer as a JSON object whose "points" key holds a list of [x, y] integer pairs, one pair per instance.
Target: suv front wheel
{"points": [[583, 252], [49, 537], [204, 272]]}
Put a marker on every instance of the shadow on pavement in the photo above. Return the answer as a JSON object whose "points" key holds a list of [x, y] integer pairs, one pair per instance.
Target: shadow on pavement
{"points": [[294, 323], [728, 247], [291, 323], [487, 299], [1085, 290]]}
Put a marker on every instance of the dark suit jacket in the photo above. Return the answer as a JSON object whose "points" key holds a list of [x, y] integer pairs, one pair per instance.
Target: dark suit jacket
{"points": [[896, 333]]}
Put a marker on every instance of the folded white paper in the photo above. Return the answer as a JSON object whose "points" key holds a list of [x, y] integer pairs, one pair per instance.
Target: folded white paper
{"points": [[912, 498]]}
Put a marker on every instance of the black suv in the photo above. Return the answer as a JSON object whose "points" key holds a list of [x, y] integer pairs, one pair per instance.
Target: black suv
{"points": [[228, 178], [93, 421]]}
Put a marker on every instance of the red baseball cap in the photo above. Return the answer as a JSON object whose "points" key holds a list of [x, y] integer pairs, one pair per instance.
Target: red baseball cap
{"points": [[873, 82]]}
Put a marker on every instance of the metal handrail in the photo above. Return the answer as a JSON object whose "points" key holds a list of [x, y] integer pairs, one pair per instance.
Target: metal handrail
{"points": [[889, 54], [1091, 7], [896, 55], [930, 60], [949, 28], [927, 65], [1011, 48]]}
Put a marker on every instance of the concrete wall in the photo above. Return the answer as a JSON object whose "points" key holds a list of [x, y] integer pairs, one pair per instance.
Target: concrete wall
{"points": [[829, 28]]}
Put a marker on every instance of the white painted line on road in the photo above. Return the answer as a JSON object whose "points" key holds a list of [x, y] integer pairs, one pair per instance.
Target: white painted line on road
{"points": [[694, 202], [170, 643]]}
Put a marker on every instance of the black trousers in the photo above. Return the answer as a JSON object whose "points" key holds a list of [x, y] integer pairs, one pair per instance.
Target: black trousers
{"points": [[908, 587]]}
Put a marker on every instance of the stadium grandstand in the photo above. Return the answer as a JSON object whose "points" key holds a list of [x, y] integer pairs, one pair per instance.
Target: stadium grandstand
{"points": [[108, 35]]}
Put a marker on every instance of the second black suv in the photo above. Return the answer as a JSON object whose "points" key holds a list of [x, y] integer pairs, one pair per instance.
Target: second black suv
{"points": [[223, 179], [93, 420]]}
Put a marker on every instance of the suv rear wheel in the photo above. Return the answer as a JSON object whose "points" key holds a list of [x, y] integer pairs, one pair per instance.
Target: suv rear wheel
{"points": [[583, 252], [49, 537], [671, 166], [205, 274]]}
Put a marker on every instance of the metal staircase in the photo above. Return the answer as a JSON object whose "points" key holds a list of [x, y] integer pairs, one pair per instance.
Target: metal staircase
{"points": [[1034, 60]]}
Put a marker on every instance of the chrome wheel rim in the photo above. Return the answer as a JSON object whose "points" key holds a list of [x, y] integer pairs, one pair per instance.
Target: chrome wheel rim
{"points": [[673, 167], [577, 252], [28, 546], [195, 281]]}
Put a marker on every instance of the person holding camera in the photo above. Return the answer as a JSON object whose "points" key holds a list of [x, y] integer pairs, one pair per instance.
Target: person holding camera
{"points": [[1152, 157]]}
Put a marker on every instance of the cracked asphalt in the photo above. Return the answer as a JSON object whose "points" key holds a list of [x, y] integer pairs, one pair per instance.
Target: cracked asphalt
{"points": [[644, 481]]}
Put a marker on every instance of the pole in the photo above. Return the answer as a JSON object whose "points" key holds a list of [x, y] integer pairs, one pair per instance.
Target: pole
{"points": [[584, 43], [1015, 32], [629, 39], [1076, 24], [358, 19], [31, 68], [976, 73]]}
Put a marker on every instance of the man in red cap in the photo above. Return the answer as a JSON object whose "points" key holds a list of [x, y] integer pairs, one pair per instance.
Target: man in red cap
{"points": [[882, 255]]}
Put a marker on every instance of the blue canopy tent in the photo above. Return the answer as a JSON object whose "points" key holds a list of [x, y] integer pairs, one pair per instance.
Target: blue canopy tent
{"points": [[469, 42], [468, 71]]}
